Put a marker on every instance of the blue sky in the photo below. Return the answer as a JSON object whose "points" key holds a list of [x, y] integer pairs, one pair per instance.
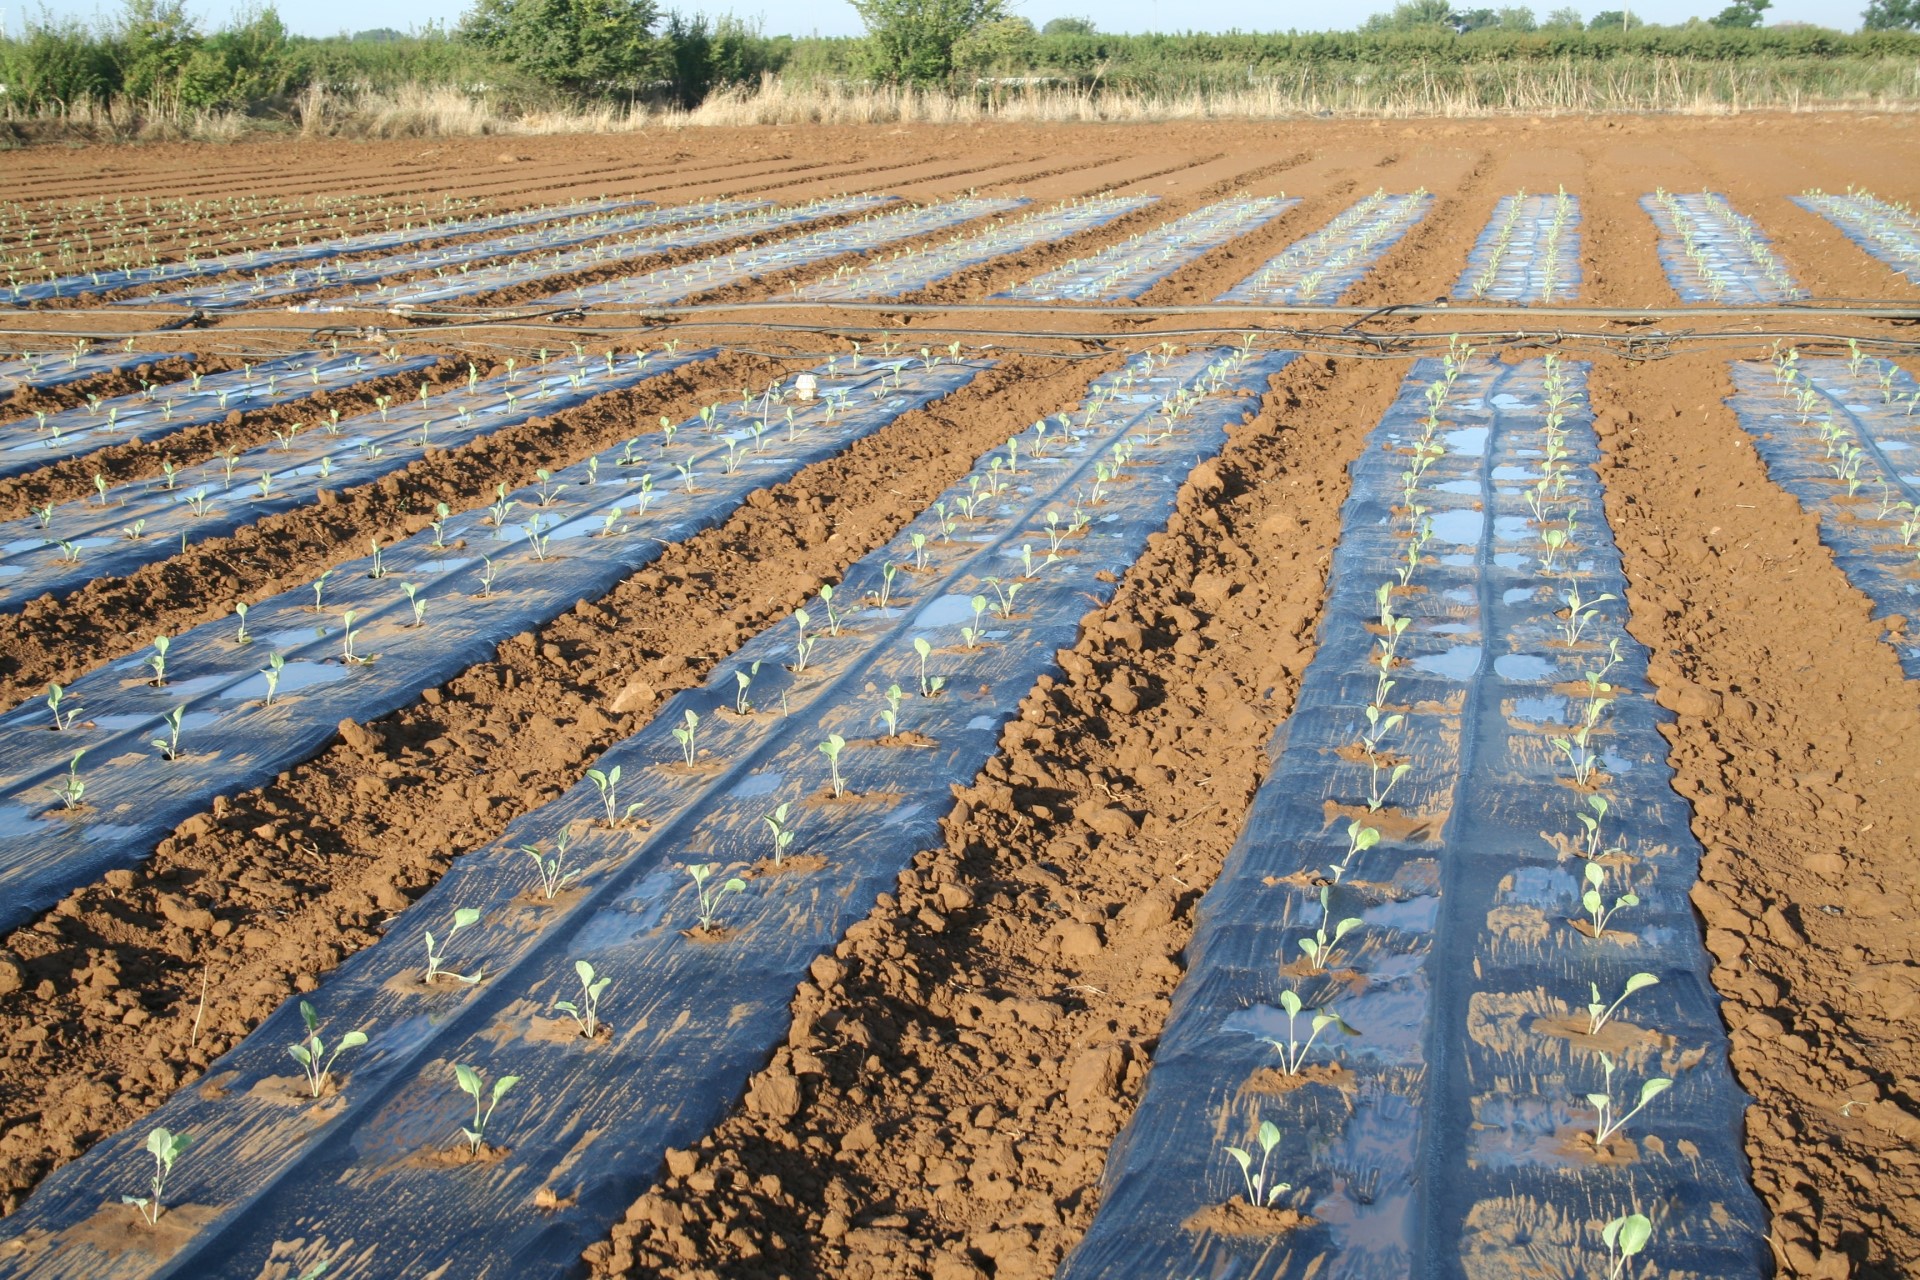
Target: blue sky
{"points": [[834, 17]]}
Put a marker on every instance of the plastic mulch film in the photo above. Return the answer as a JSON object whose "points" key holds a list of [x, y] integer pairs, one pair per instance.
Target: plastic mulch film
{"points": [[1136, 264], [34, 370], [674, 284], [1324, 265], [369, 1179], [1844, 438], [113, 533], [1529, 251], [1713, 253], [588, 257], [27, 444], [1505, 1038], [355, 645], [916, 269], [268, 286], [1887, 231], [267, 259]]}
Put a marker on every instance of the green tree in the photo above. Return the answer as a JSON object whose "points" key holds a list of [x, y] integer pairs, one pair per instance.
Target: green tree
{"points": [[578, 46], [1002, 46], [157, 39], [913, 40], [1565, 18], [1068, 27], [1615, 20], [57, 63], [1741, 13], [1410, 14], [1891, 15]]}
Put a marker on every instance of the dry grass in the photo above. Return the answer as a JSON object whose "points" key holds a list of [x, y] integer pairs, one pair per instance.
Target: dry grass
{"points": [[1662, 85]]}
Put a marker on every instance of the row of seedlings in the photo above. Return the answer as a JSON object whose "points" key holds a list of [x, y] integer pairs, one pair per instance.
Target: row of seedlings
{"points": [[484, 1090], [93, 775], [1323, 266], [1447, 1010], [347, 273], [39, 370], [96, 282], [116, 530], [47, 239], [1711, 252], [673, 284], [1887, 230], [161, 409], [1529, 251], [597, 255], [1843, 437], [916, 269], [1136, 264]]}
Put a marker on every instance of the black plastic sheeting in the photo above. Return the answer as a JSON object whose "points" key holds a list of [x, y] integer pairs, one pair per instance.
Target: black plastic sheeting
{"points": [[350, 1182], [146, 521], [57, 368], [232, 739], [90, 282], [28, 444], [270, 286], [1874, 412], [1445, 1139]]}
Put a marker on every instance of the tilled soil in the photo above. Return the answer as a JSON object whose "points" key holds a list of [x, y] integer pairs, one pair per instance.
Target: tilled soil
{"points": [[957, 1068]]}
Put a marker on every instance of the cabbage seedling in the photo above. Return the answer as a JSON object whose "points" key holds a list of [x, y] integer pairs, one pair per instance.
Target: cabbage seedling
{"points": [[243, 636], [1598, 804], [685, 735], [62, 721], [972, 634], [803, 644], [782, 833], [347, 635], [436, 953], [547, 490], [71, 789], [1596, 878], [1006, 592], [710, 897], [1293, 1051], [471, 1082], [319, 588], [311, 1052], [165, 1148], [158, 660], [834, 620], [608, 785], [1319, 948], [552, 878], [920, 551], [272, 672], [831, 749], [1359, 840], [379, 568], [891, 712], [1606, 1124], [1260, 1193], [1599, 1011], [587, 1011], [921, 650], [169, 746], [440, 513], [1376, 794], [487, 575], [1625, 1237], [418, 601]]}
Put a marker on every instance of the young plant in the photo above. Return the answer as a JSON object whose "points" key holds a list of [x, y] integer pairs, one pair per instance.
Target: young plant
{"points": [[348, 634], [831, 749], [1606, 1124], [158, 660], [710, 897], [1319, 948], [1260, 1192], [418, 601], [1625, 1237], [1579, 612], [586, 1011], [1359, 840], [272, 673], [311, 1052], [780, 829], [71, 790], [1596, 879], [169, 746], [62, 720], [436, 953], [803, 643], [1598, 1012], [685, 735], [928, 687], [1294, 1051], [608, 785], [971, 634], [165, 1148], [553, 878], [471, 1082], [891, 712]]}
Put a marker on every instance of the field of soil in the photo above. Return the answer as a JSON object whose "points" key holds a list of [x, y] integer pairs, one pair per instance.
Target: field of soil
{"points": [[956, 1068]]}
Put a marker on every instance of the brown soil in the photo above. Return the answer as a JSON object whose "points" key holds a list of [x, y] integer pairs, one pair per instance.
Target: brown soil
{"points": [[967, 1054]]}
